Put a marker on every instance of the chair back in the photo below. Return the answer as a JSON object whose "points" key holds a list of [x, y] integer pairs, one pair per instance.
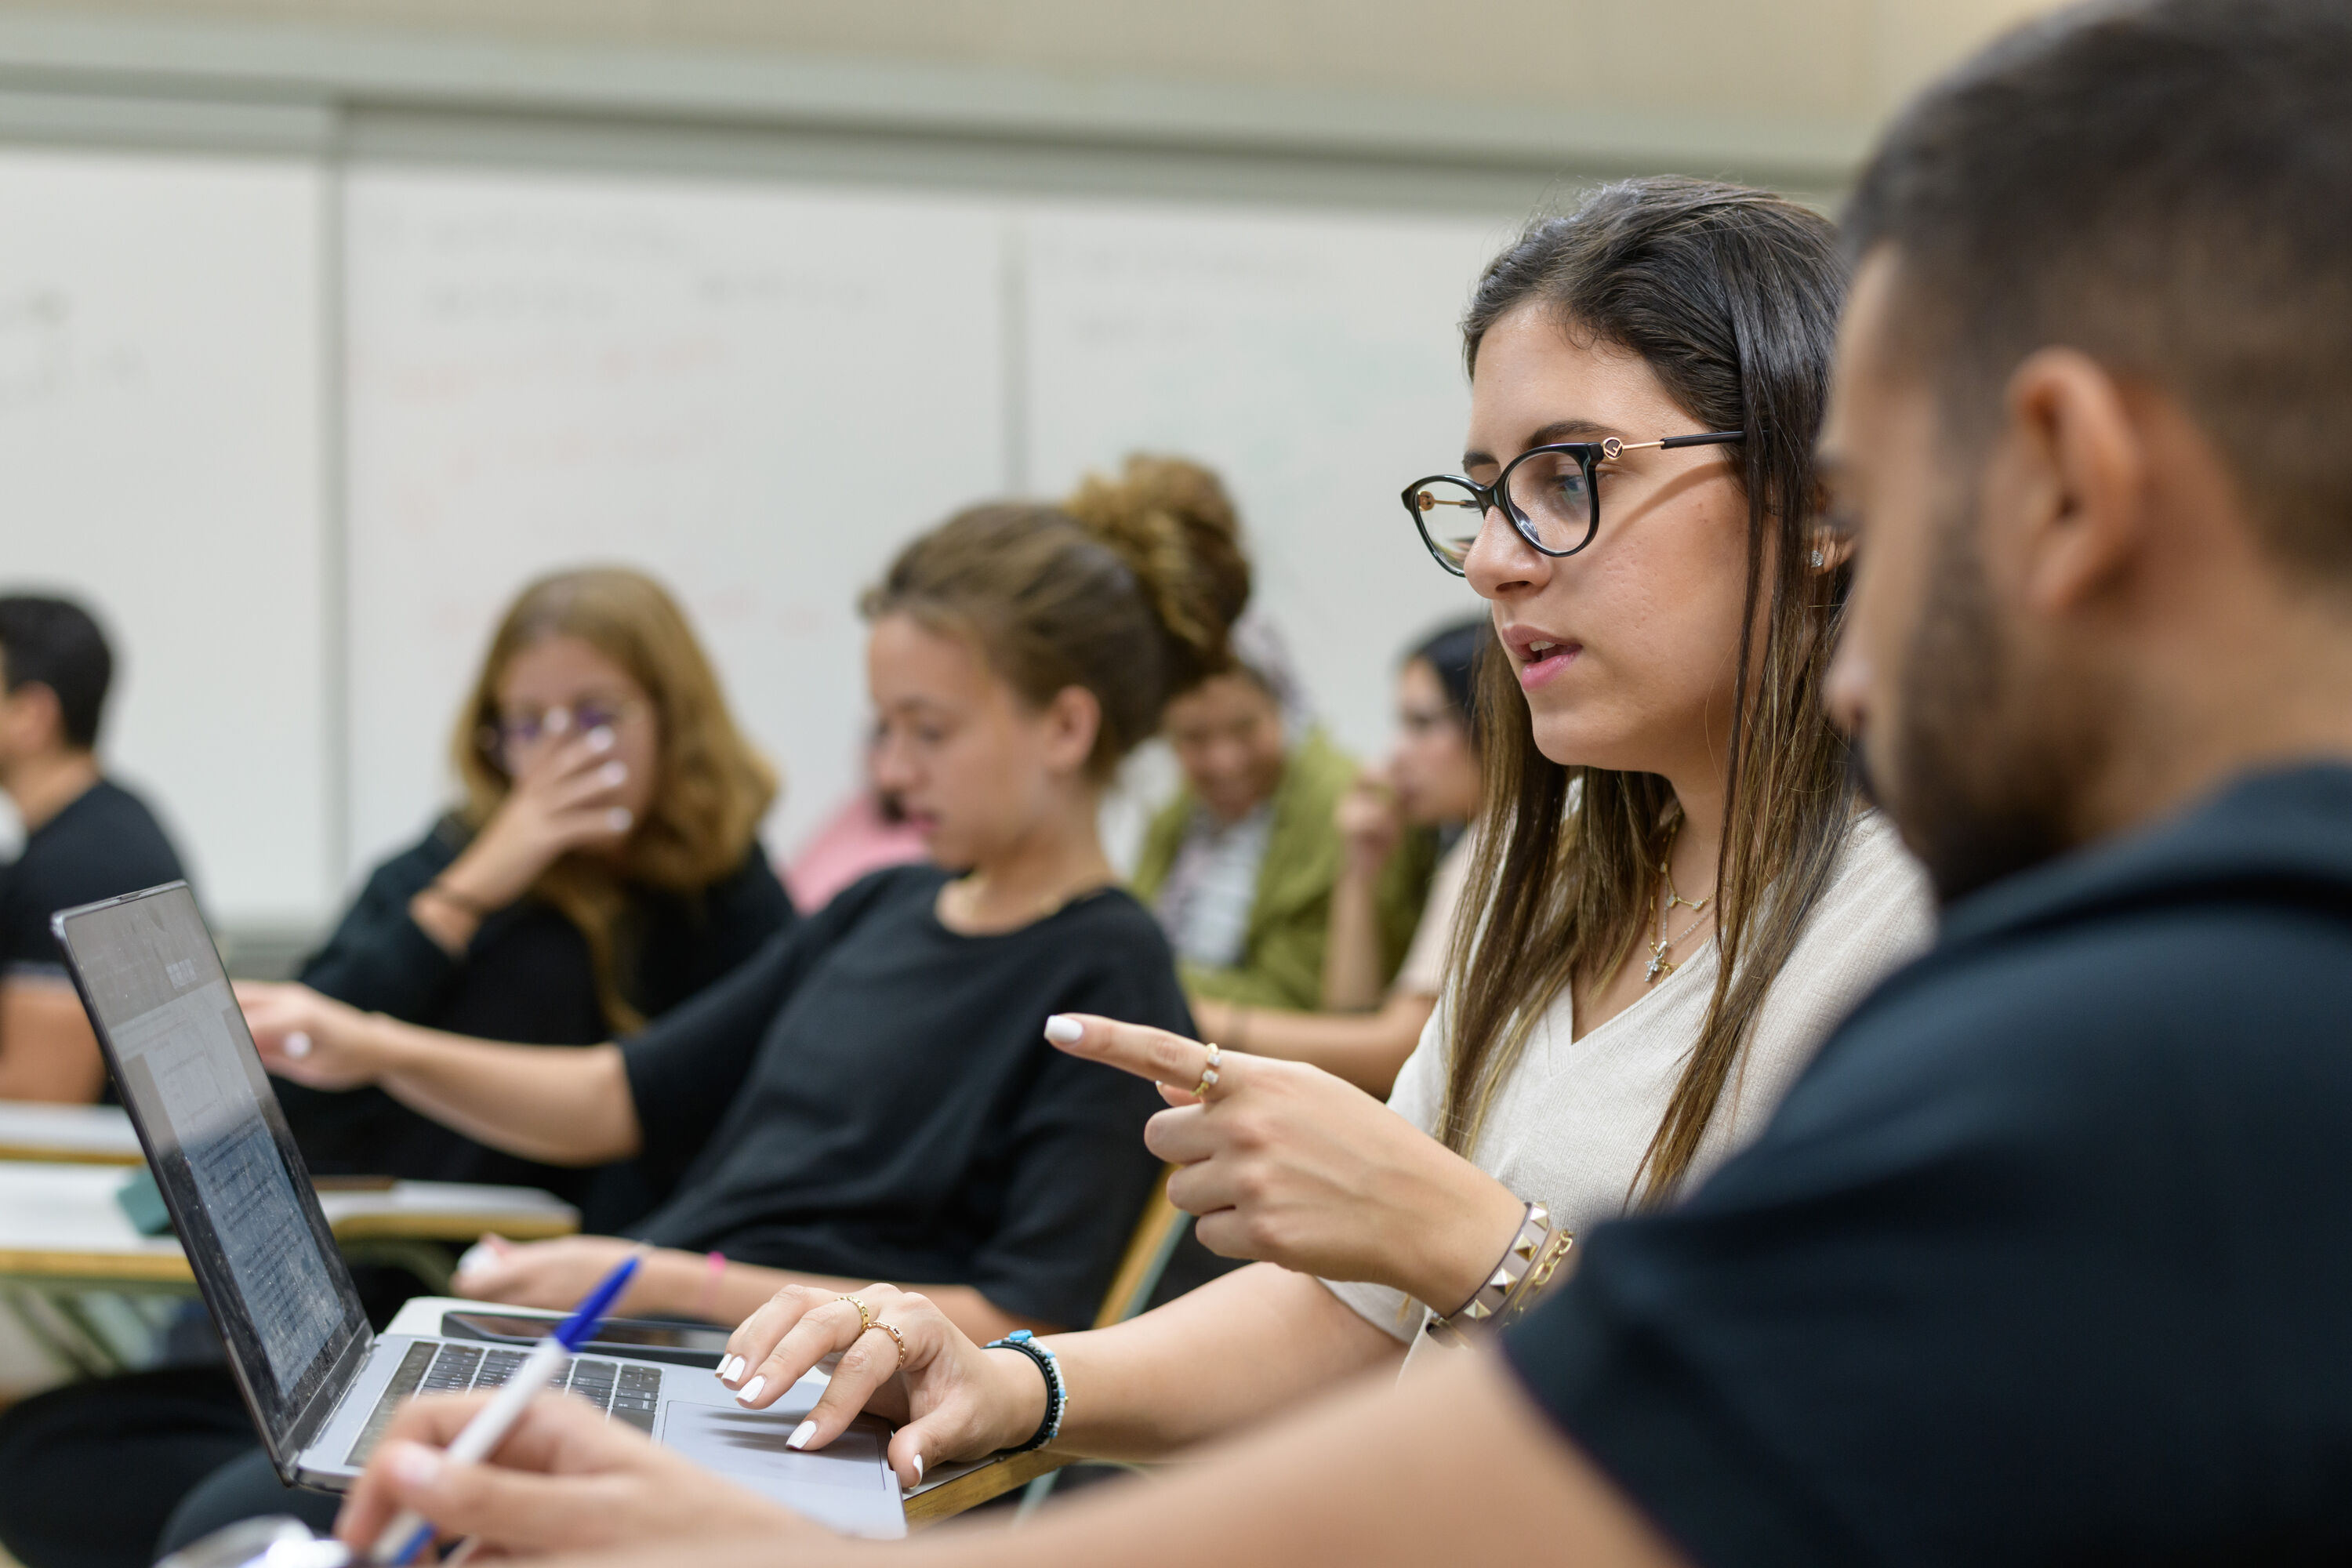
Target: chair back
{"points": [[1147, 1252]]}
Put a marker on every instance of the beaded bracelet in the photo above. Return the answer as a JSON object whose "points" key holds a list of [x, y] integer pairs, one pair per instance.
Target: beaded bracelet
{"points": [[1057, 1399]]}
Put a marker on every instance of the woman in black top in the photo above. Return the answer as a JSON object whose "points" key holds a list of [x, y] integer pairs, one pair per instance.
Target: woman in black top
{"points": [[870, 1096], [603, 868]]}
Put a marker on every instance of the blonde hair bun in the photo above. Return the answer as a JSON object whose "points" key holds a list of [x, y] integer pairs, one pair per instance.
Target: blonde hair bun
{"points": [[1174, 525]]}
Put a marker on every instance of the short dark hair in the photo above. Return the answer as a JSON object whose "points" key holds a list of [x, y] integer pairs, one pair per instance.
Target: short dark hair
{"points": [[2167, 186], [56, 643], [1451, 653]]}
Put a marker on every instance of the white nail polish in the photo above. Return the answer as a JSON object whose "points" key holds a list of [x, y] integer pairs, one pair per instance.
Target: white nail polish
{"points": [[558, 721], [724, 1370], [600, 739], [1064, 1030], [298, 1045], [919, 1470], [618, 819], [736, 1367], [615, 773], [801, 1435], [752, 1391]]}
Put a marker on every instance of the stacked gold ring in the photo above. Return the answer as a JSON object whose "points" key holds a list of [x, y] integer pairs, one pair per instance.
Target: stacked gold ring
{"points": [[896, 1337], [864, 1317], [1208, 1077]]}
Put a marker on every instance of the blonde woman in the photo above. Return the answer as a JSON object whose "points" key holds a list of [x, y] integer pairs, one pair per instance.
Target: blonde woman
{"points": [[602, 866]]}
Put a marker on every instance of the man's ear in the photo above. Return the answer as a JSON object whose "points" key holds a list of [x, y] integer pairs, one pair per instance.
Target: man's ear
{"points": [[2064, 497]]}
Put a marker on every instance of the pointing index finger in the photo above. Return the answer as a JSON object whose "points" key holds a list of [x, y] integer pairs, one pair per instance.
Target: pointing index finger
{"points": [[1169, 1060]]}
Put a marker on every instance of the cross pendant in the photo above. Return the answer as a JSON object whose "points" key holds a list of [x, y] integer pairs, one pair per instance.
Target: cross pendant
{"points": [[1658, 964]]}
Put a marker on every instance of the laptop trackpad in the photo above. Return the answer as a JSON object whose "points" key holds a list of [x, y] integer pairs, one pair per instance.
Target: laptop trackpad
{"points": [[847, 1484]]}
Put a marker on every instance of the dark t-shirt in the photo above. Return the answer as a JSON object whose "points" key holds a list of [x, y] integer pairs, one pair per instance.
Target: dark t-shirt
{"points": [[2047, 1257], [872, 1096], [105, 843], [525, 978]]}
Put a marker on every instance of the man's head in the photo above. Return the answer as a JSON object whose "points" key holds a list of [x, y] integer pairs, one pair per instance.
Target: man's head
{"points": [[54, 671], [2093, 416]]}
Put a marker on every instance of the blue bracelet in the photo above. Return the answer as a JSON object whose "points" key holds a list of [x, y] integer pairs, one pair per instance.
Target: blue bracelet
{"points": [[1056, 1398]]}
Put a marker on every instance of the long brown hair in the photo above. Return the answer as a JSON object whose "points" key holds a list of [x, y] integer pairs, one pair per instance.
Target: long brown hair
{"points": [[710, 788], [1129, 591], [1730, 296]]}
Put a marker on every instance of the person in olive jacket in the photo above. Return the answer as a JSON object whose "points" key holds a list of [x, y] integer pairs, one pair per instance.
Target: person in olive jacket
{"points": [[1241, 864]]}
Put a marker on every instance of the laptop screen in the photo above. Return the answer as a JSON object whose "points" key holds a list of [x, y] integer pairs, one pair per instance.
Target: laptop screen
{"points": [[239, 1194]]}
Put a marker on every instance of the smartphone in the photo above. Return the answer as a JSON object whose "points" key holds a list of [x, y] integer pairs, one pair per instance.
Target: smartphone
{"points": [[682, 1344]]}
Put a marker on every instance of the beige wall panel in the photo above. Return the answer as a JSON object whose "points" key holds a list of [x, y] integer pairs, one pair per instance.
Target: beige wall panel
{"points": [[1791, 58]]}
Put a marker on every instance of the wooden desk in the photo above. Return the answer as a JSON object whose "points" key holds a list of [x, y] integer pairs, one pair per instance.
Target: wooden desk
{"points": [[945, 1492], [69, 1134], [59, 1223], [63, 1238]]}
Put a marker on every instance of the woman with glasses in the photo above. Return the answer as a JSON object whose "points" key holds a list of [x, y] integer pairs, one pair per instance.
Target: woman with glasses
{"points": [[1677, 890], [602, 866]]}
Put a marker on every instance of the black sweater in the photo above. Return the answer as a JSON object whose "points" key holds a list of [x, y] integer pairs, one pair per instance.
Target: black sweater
{"points": [[525, 978], [873, 1096]]}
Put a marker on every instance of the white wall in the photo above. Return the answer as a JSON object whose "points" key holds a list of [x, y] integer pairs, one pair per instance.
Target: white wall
{"points": [[755, 394], [161, 450], [757, 390]]}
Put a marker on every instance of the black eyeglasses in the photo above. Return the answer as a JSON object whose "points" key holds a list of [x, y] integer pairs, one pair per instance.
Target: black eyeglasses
{"points": [[1547, 492]]}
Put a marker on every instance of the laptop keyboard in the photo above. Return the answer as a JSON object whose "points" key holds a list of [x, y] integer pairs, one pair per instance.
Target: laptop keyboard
{"points": [[623, 1390]]}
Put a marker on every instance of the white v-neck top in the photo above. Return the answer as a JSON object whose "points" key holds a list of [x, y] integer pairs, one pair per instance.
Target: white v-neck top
{"points": [[1569, 1127]]}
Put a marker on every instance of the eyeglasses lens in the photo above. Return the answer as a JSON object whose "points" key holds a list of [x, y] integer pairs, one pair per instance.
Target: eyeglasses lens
{"points": [[522, 730], [1551, 499], [1449, 515]]}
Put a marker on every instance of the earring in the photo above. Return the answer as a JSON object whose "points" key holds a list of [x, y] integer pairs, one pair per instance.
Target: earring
{"points": [[1816, 561]]}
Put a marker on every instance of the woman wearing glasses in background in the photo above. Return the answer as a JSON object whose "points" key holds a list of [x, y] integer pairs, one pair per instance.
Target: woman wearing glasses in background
{"points": [[603, 866], [1676, 892]]}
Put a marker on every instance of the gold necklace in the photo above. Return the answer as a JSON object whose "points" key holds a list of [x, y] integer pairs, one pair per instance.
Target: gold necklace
{"points": [[1660, 966]]}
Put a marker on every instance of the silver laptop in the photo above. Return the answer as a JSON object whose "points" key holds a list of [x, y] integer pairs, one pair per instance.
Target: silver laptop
{"points": [[320, 1384]]}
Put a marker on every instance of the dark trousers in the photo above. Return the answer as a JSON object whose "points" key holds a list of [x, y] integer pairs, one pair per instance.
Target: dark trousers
{"points": [[91, 1473]]}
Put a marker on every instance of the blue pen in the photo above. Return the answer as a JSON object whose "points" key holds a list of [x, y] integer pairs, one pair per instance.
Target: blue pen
{"points": [[410, 1532]]}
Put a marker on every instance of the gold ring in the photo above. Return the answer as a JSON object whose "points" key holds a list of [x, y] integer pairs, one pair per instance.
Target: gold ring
{"points": [[898, 1338], [1208, 1077], [864, 1318]]}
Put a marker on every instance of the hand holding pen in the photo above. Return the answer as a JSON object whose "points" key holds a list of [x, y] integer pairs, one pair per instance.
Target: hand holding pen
{"points": [[408, 1533]]}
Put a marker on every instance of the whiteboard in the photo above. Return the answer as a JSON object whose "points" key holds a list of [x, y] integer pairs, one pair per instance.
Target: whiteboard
{"points": [[1312, 360], [755, 393], [161, 456]]}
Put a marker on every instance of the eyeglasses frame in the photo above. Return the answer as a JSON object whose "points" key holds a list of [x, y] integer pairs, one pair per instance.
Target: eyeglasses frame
{"points": [[1589, 456]]}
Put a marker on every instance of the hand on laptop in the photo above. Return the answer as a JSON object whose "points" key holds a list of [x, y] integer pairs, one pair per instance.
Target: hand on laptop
{"points": [[551, 1274], [565, 1478], [956, 1401], [313, 1040], [1287, 1164]]}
